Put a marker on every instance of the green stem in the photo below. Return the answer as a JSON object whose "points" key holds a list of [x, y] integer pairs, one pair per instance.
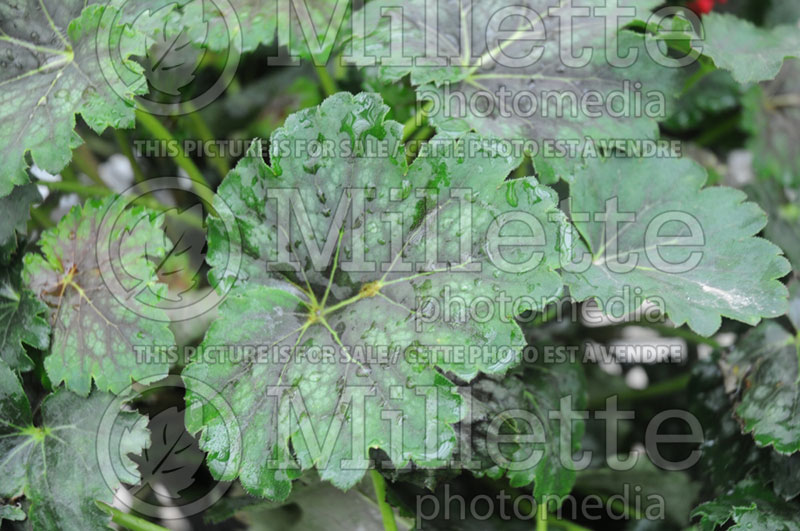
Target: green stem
{"points": [[416, 121], [413, 145], [545, 317], [339, 68], [663, 388], [552, 517], [718, 131], [570, 526], [84, 190], [541, 517], [524, 169], [159, 132], [68, 174], [125, 148], [695, 78], [204, 132], [424, 134], [129, 521], [380, 493], [85, 162], [325, 79], [42, 219], [629, 512], [618, 505]]}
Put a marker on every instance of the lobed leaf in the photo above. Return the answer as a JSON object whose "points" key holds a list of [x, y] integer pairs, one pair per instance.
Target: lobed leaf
{"points": [[53, 57], [751, 506], [772, 117], [100, 333], [671, 240], [246, 24], [48, 462], [533, 389], [16, 208], [477, 58], [378, 303], [766, 360], [22, 319], [750, 53], [783, 228]]}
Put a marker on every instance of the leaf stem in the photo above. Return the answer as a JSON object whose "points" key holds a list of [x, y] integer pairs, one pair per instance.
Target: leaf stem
{"points": [[85, 162], [129, 521], [125, 148], [546, 316], [325, 79], [719, 130], [159, 132], [84, 190], [204, 132], [541, 516], [416, 121], [570, 526], [553, 518], [41, 218], [415, 144], [380, 493], [333, 270], [659, 389]]}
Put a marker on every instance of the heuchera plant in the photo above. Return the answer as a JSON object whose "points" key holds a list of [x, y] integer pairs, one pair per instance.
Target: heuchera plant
{"points": [[322, 264]]}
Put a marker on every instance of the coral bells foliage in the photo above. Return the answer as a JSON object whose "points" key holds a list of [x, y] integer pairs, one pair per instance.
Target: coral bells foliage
{"points": [[430, 306], [704, 6]]}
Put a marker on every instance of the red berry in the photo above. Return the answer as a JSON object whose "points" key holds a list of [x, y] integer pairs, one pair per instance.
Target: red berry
{"points": [[702, 6]]}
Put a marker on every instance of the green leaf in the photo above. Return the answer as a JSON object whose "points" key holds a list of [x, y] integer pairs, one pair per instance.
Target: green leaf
{"points": [[782, 13], [784, 216], [728, 456], [445, 67], [714, 94], [500, 92], [380, 306], [54, 462], [750, 505], [16, 208], [259, 21], [750, 53], [772, 117], [15, 414], [784, 471], [260, 315], [722, 271], [312, 505], [100, 334], [536, 389], [765, 361], [22, 319], [52, 69], [675, 491], [345, 120], [12, 513]]}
